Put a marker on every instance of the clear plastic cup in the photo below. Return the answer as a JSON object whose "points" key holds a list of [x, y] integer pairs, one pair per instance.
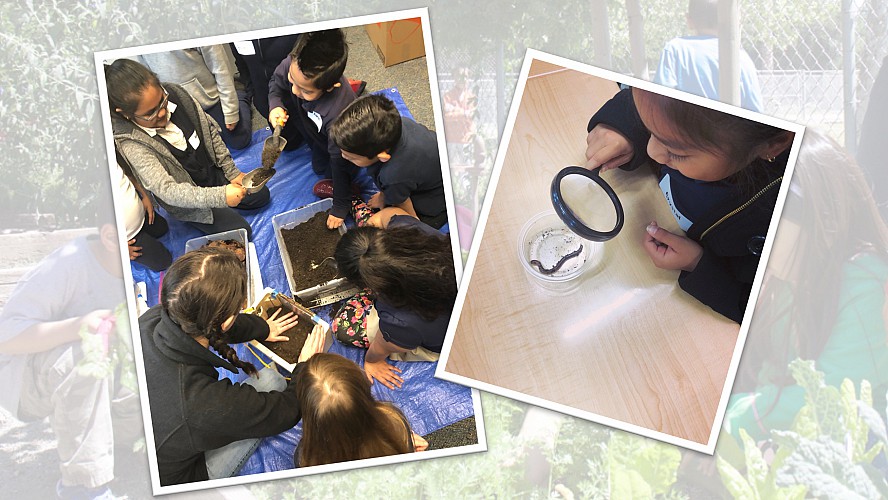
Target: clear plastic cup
{"points": [[552, 255]]}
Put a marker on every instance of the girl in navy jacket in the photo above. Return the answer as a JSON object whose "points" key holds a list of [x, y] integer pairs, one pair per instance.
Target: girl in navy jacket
{"points": [[720, 175]]}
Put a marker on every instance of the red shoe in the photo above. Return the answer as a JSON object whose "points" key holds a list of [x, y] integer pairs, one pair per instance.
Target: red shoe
{"points": [[323, 188], [357, 86]]}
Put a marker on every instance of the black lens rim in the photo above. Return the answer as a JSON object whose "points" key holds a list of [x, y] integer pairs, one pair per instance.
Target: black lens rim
{"points": [[570, 219]]}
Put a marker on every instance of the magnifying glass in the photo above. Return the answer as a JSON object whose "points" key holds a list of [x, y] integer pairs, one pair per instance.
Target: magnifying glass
{"points": [[586, 203]]}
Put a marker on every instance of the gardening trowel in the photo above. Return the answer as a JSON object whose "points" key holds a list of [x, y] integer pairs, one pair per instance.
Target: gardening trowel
{"points": [[271, 151]]}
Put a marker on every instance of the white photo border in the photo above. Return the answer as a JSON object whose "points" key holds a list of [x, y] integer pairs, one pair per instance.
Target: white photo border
{"points": [[100, 58], [535, 55]]}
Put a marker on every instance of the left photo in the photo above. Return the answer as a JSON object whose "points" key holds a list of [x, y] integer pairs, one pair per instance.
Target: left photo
{"points": [[289, 244]]}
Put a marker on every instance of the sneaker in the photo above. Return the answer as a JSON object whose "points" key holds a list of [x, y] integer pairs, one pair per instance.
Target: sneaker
{"points": [[357, 86], [84, 493], [323, 188]]}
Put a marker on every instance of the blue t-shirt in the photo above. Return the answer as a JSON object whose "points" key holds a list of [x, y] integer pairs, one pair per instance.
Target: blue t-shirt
{"points": [[690, 64]]}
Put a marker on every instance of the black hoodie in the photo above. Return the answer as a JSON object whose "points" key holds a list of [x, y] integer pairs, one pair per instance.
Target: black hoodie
{"points": [[192, 411]]}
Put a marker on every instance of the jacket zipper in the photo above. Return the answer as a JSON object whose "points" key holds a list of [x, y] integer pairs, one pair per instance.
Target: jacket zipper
{"points": [[743, 206]]}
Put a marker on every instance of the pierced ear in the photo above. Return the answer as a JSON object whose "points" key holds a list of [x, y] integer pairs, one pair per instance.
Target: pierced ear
{"points": [[384, 156], [778, 146]]}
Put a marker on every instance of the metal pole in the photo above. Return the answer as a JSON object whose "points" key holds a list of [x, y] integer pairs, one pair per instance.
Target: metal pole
{"points": [[729, 51], [636, 39], [500, 92], [849, 78], [601, 34]]}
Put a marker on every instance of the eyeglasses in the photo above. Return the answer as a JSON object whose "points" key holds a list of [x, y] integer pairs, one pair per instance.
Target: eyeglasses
{"points": [[161, 106]]}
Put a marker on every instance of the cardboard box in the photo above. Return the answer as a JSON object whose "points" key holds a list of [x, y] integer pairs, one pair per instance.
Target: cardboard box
{"points": [[397, 41]]}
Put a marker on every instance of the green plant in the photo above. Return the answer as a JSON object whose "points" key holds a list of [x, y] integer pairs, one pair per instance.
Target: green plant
{"points": [[640, 467], [827, 451]]}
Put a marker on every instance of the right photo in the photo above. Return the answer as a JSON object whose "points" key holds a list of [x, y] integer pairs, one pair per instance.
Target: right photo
{"points": [[619, 251]]}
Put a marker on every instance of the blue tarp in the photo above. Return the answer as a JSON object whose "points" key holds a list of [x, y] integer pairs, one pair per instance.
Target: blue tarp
{"points": [[428, 403]]}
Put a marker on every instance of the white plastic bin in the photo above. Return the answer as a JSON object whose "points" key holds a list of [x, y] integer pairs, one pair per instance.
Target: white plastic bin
{"points": [[335, 288]]}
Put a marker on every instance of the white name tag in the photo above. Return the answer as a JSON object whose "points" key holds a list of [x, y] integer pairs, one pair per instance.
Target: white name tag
{"points": [[316, 118], [666, 187], [194, 140], [245, 48]]}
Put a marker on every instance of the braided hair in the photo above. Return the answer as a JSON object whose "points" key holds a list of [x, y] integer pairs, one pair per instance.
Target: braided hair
{"points": [[200, 291], [409, 268]]}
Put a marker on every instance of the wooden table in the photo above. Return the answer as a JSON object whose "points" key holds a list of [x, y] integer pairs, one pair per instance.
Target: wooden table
{"points": [[628, 344]]}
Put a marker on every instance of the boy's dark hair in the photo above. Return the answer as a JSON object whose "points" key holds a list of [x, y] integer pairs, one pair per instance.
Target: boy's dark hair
{"points": [[341, 420], [321, 56], [411, 269], [125, 80], [201, 290], [703, 14], [368, 126]]}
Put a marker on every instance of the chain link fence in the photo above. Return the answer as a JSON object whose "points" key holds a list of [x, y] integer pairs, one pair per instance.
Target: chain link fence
{"points": [[816, 62]]}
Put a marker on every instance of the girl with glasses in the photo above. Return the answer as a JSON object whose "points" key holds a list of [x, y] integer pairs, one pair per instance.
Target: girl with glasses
{"points": [[176, 151]]}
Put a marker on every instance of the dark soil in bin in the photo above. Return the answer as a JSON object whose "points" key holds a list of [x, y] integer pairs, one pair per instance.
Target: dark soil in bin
{"points": [[308, 244], [232, 245], [289, 350]]}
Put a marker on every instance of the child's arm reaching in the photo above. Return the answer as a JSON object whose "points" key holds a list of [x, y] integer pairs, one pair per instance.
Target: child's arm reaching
{"points": [[705, 276], [377, 367], [407, 206], [617, 137]]}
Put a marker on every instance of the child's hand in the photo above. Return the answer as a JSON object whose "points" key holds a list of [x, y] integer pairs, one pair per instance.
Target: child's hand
{"points": [[149, 208], [134, 251], [314, 343], [333, 222], [384, 373], [278, 116], [278, 325], [419, 443], [607, 148], [234, 193], [239, 180], [671, 251], [377, 201]]}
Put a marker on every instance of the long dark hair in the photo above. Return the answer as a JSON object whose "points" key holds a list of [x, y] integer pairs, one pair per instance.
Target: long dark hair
{"points": [[126, 80], [833, 206], [340, 419], [408, 268], [201, 290]]}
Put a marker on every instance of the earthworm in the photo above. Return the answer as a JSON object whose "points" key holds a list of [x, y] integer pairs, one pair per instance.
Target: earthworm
{"points": [[558, 264]]}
